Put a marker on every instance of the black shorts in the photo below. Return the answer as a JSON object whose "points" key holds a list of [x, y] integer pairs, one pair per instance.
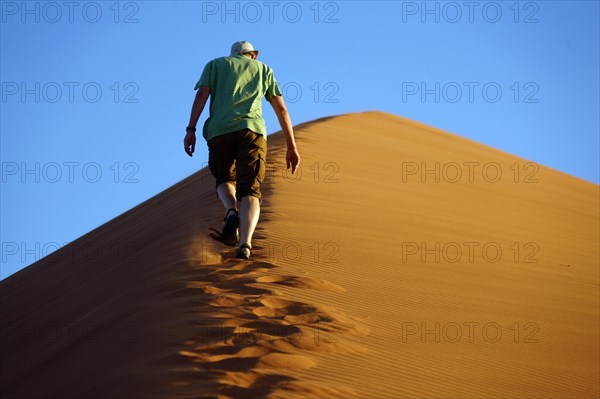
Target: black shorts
{"points": [[239, 158]]}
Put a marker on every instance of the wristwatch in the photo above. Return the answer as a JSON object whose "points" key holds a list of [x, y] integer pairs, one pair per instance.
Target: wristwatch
{"points": [[193, 129]]}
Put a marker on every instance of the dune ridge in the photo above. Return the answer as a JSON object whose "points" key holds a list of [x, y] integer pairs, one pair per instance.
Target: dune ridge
{"points": [[401, 262]]}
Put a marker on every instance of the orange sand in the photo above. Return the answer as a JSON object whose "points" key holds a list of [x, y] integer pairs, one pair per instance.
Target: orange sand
{"points": [[369, 280]]}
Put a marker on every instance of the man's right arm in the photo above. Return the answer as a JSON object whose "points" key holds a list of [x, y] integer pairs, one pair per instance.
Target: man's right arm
{"points": [[292, 156], [189, 141]]}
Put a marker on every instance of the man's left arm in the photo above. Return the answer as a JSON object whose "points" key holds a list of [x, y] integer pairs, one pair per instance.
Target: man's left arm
{"points": [[189, 142]]}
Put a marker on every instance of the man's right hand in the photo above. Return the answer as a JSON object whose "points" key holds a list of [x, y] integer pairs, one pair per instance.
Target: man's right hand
{"points": [[189, 142], [292, 159]]}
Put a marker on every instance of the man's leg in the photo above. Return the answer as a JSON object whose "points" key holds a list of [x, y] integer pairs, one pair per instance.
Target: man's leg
{"points": [[226, 193], [249, 214], [250, 172], [221, 160]]}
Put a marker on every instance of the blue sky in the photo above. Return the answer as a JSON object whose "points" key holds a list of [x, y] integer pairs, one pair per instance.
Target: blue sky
{"points": [[96, 95]]}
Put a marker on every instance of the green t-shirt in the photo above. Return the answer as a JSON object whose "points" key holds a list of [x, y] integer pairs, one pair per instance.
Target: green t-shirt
{"points": [[237, 85]]}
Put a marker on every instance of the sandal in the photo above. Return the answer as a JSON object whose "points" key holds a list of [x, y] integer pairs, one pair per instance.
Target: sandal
{"points": [[244, 252], [229, 235]]}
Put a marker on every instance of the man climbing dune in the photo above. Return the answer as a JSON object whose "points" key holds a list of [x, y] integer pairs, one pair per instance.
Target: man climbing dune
{"points": [[235, 132]]}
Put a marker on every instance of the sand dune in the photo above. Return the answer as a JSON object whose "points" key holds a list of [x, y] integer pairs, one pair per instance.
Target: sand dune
{"points": [[402, 262]]}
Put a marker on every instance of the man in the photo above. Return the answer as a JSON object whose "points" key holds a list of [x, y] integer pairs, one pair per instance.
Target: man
{"points": [[236, 135]]}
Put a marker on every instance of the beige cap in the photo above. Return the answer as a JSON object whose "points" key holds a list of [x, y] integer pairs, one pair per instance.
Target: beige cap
{"points": [[243, 47]]}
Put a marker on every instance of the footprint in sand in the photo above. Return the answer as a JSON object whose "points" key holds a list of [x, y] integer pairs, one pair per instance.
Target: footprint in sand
{"points": [[301, 282], [264, 336]]}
